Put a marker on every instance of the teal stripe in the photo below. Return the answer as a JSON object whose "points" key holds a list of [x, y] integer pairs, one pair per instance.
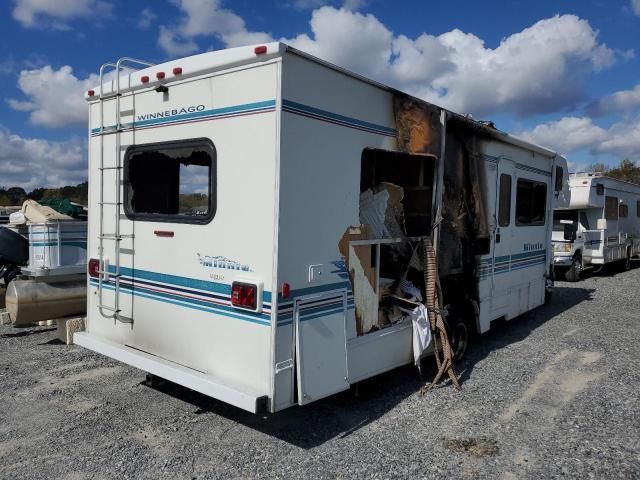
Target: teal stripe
{"points": [[215, 112]]}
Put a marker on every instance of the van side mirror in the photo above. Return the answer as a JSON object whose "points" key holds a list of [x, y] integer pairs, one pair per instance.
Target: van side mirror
{"points": [[570, 232], [601, 224]]}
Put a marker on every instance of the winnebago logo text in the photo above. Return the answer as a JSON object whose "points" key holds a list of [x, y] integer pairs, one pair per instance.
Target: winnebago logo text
{"points": [[171, 113], [222, 262]]}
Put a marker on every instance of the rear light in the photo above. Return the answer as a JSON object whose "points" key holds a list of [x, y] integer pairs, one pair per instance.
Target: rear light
{"points": [[144, 79], [91, 93], [262, 49], [177, 70], [160, 75], [244, 295], [93, 268]]}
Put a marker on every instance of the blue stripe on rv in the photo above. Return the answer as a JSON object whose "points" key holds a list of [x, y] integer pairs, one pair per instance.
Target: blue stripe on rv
{"points": [[255, 107]]}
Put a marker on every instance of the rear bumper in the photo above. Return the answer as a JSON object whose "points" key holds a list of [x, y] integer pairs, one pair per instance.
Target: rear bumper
{"points": [[200, 382]]}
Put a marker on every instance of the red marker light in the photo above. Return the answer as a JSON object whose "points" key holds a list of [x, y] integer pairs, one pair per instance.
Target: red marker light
{"points": [[91, 93], [160, 75], [262, 49], [144, 79], [286, 290], [93, 267], [177, 70]]}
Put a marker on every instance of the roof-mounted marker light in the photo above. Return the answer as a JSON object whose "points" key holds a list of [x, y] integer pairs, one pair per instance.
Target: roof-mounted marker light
{"points": [[91, 93], [260, 50], [144, 79], [177, 70], [160, 75]]}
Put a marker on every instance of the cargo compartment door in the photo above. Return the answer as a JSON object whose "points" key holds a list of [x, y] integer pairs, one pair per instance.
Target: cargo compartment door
{"points": [[321, 345]]}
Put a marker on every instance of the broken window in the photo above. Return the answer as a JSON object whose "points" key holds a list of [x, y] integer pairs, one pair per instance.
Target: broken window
{"points": [[170, 182], [504, 203], [531, 202]]}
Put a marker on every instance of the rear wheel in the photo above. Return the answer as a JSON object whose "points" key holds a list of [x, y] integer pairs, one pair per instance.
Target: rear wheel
{"points": [[462, 329], [627, 261], [575, 270]]}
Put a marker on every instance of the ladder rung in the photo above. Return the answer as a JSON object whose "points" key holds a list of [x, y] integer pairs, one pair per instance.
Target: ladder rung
{"points": [[111, 236], [109, 274], [111, 309], [110, 168], [109, 203], [109, 96]]}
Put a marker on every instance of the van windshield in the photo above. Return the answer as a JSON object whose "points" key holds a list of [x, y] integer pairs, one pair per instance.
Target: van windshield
{"points": [[561, 216]]}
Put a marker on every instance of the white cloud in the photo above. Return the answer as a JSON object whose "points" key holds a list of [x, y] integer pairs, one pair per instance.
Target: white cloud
{"points": [[34, 162], [570, 134], [539, 69], [206, 18], [55, 97], [621, 101], [353, 5], [566, 135], [56, 14], [635, 6], [147, 17]]}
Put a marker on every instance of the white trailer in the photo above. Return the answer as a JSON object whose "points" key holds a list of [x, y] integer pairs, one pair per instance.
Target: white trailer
{"points": [[225, 237], [600, 225]]}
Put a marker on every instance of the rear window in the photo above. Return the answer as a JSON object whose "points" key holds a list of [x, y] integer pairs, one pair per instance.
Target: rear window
{"points": [[531, 203], [611, 208], [171, 182]]}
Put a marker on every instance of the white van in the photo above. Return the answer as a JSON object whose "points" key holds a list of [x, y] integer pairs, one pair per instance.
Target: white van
{"points": [[257, 214], [601, 225]]}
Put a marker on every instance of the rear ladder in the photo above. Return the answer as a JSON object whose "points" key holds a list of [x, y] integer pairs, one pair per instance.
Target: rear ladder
{"points": [[105, 273]]}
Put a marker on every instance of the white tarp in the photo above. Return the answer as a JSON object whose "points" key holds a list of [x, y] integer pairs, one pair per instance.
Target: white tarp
{"points": [[421, 332]]}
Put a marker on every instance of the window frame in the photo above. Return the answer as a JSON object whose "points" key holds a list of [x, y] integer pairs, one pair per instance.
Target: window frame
{"points": [[623, 210], [501, 217], [608, 210], [543, 222], [202, 142]]}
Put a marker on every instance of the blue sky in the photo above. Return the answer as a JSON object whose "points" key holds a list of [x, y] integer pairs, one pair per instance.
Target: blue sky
{"points": [[562, 73]]}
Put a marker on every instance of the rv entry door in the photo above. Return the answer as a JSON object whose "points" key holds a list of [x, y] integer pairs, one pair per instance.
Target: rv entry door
{"points": [[321, 345], [503, 235]]}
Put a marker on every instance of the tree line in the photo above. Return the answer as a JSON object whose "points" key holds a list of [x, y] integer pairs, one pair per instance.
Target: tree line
{"points": [[626, 170], [17, 195]]}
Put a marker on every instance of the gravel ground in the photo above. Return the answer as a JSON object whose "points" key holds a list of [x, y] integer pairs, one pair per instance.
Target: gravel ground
{"points": [[552, 394]]}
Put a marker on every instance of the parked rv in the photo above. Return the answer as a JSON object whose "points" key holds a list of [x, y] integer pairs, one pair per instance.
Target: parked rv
{"points": [[601, 225], [303, 270]]}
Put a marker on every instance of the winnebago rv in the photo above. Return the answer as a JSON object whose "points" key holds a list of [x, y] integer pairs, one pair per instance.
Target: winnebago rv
{"points": [[259, 220], [600, 225]]}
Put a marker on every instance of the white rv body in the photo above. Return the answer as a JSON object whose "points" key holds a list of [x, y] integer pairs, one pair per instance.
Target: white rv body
{"points": [[287, 133], [602, 223]]}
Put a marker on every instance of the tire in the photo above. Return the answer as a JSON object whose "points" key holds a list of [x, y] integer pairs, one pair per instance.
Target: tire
{"points": [[462, 331], [626, 265], [574, 272]]}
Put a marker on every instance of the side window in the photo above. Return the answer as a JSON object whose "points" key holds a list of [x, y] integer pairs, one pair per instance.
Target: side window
{"points": [[611, 208], [623, 211], [171, 182], [531, 203], [504, 202], [584, 221], [599, 189], [638, 209], [559, 179]]}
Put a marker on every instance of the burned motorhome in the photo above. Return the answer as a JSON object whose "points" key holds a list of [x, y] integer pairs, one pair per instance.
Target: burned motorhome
{"points": [[359, 226]]}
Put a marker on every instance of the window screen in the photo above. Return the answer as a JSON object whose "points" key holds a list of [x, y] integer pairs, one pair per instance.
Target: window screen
{"points": [[611, 208], [504, 202], [559, 179], [171, 182], [623, 211], [531, 203]]}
